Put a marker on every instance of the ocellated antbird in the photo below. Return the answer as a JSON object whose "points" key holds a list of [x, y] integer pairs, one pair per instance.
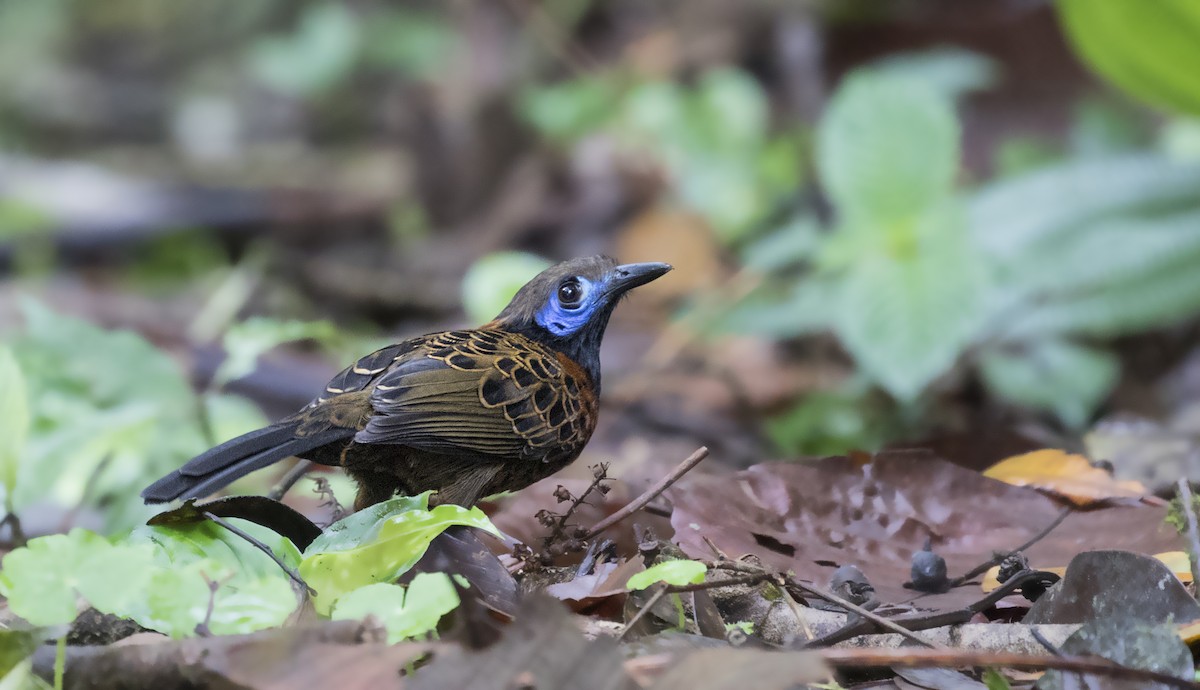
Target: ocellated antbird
{"points": [[466, 413]]}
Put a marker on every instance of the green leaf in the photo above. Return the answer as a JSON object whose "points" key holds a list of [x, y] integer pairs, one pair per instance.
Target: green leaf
{"points": [[379, 544], [1140, 47], [43, 579], [952, 72], [807, 306], [570, 110], [1164, 296], [16, 646], [406, 612], [798, 240], [994, 681], [676, 572], [906, 315], [315, 57], [245, 342], [1008, 218], [1061, 377], [491, 282], [14, 423], [414, 41], [254, 593], [731, 109], [119, 400], [887, 148]]}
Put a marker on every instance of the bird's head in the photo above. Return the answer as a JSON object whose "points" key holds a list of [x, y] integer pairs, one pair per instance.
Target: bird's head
{"points": [[567, 305]]}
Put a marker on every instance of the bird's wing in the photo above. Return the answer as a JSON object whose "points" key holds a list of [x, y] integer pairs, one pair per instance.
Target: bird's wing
{"points": [[483, 392]]}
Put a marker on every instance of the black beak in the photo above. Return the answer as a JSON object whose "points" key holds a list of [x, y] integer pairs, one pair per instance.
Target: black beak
{"points": [[629, 276]]}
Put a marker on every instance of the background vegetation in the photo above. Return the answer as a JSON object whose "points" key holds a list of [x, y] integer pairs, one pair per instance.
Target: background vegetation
{"points": [[890, 220]]}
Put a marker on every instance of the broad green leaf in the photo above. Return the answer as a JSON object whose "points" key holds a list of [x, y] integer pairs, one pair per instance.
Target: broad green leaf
{"points": [[1110, 251], [406, 612], [1162, 297], [906, 315], [1061, 377], [316, 56], [1009, 217], [1140, 47], [43, 579], [677, 572], [245, 342], [254, 592], [730, 109], [951, 71], [887, 148], [14, 423], [16, 646], [798, 240], [805, 307], [379, 544], [491, 282], [118, 400]]}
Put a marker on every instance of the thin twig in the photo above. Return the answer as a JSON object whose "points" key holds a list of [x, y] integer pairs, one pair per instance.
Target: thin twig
{"points": [[1046, 644], [908, 657], [997, 558], [290, 478], [1185, 500], [659, 593], [873, 617], [264, 548], [599, 476], [202, 630], [652, 493]]}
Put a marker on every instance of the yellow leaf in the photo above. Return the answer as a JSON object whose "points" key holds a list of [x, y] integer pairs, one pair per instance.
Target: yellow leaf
{"points": [[1065, 474]]}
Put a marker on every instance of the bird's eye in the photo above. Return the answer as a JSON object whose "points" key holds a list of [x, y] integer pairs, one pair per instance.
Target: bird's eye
{"points": [[570, 293]]}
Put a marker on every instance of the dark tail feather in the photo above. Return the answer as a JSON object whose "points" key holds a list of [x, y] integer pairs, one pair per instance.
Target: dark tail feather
{"points": [[220, 466]]}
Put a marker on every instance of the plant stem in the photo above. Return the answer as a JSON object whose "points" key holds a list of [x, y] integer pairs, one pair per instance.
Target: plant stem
{"points": [[60, 662]]}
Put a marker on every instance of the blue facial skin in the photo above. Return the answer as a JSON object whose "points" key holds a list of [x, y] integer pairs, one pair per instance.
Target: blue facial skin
{"points": [[562, 321]]}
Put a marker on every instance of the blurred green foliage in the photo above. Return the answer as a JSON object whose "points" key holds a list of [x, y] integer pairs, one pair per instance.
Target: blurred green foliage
{"points": [[492, 281], [1141, 47], [107, 416], [713, 138], [1022, 277]]}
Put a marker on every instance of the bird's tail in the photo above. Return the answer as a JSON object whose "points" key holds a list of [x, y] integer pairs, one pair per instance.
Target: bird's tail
{"points": [[220, 466]]}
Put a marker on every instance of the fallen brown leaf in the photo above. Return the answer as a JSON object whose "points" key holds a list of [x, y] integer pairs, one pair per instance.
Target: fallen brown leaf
{"points": [[811, 518]]}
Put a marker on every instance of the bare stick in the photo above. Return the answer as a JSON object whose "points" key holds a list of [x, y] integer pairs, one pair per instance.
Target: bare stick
{"points": [[290, 478], [1185, 500], [873, 617], [658, 594], [262, 547], [995, 560], [793, 583], [650, 494]]}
